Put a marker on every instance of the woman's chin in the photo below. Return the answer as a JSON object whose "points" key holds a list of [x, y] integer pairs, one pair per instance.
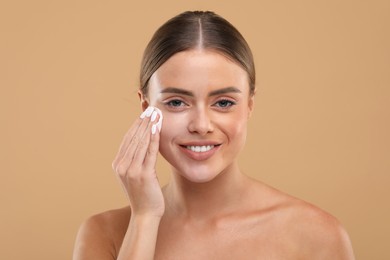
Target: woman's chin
{"points": [[198, 176]]}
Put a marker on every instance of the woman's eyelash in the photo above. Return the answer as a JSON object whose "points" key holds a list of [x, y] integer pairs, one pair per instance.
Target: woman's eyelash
{"points": [[224, 103], [174, 103]]}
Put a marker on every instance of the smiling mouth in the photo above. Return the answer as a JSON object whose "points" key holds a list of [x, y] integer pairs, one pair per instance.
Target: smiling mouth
{"points": [[200, 148]]}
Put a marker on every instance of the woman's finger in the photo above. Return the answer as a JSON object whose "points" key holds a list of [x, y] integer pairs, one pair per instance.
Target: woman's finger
{"points": [[137, 148], [144, 146], [131, 141], [133, 129], [152, 152], [126, 140]]}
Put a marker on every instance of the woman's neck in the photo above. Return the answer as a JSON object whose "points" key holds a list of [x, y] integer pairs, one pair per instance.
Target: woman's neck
{"points": [[208, 200]]}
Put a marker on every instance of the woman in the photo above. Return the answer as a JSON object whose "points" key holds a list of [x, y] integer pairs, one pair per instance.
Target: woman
{"points": [[198, 73]]}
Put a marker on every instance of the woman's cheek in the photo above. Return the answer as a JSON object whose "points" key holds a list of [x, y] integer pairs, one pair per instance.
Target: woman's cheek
{"points": [[172, 125], [236, 128]]}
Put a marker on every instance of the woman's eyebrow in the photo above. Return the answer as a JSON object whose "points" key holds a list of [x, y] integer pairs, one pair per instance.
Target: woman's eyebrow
{"points": [[224, 91], [191, 94], [177, 91]]}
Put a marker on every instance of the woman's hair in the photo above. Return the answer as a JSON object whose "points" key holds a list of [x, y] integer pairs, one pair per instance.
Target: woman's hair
{"points": [[193, 30]]}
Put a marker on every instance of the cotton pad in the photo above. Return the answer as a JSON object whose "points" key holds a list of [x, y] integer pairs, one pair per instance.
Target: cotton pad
{"points": [[159, 123]]}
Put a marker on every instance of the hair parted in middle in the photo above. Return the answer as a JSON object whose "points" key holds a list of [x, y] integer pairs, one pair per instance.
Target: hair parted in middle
{"points": [[196, 30]]}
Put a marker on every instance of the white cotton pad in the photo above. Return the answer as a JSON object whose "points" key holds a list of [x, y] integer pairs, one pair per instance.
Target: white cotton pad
{"points": [[159, 123]]}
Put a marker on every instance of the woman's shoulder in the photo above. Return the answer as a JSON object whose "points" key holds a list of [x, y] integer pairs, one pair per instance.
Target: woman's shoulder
{"points": [[312, 229], [288, 206], [102, 233], [110, 221], [318, 232]]}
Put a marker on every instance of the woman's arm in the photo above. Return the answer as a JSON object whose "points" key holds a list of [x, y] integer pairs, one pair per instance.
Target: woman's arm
{"points": [[140, 238], [93, 240], [135, 167], [334, 244]]}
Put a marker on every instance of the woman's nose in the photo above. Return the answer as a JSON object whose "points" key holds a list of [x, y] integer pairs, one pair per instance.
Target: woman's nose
{"points": [[200, 122]]}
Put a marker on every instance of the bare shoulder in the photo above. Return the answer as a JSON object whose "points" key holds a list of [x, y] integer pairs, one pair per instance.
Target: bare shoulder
{"points": [[101, 235], [319, 233], [311, 231]]}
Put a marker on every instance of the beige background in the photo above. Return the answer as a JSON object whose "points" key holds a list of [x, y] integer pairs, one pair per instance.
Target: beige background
{"points": [[68, 82]]}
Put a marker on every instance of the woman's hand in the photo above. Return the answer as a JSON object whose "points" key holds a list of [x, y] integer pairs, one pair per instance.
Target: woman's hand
{"points": [[135, 165]]}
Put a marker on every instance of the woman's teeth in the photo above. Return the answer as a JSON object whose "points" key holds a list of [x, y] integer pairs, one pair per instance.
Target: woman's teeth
{"points": [[200, 149]]}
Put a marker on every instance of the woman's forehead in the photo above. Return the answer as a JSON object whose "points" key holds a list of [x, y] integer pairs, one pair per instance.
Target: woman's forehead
{"points": [[199, 68]]}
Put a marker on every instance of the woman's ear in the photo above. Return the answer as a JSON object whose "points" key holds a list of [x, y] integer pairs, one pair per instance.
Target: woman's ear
{"points": [[143, 99], [251, 104]]}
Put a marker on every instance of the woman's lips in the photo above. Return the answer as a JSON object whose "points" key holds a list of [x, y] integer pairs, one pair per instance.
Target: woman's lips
{"points": [[199, 152]]}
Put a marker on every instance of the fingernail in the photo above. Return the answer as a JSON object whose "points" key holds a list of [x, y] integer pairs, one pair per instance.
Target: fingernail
{"points": [[154, 115], [150, 110], [147, 112], [154, 129]]}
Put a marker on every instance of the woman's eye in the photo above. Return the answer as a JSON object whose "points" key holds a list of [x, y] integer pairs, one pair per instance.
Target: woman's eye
{"points": [[175, 103], [225, 103]]}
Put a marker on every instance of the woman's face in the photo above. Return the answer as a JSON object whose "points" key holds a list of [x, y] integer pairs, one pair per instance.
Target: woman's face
{"points": [[205, 101]]}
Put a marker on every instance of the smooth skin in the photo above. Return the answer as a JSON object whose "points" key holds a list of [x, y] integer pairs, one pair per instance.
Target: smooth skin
{"points": [[209, 209]]}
